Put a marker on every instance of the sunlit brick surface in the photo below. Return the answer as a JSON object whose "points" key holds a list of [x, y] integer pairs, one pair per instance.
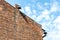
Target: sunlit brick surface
{"points": [[17, 26]]}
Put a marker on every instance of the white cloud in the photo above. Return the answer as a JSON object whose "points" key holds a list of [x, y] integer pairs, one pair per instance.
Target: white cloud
{"points": [[57, 20], [34, 11], [28, 10], [34, 17], [54, 35], [39, 18], [57, 23], [40, 6], [54, 7], [45, 14]]}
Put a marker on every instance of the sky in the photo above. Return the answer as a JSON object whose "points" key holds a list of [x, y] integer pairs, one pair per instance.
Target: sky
{"points": [[44, 12]]}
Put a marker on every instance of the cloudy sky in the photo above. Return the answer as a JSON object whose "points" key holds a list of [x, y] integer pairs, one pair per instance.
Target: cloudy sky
{"points": [[44, 12]]}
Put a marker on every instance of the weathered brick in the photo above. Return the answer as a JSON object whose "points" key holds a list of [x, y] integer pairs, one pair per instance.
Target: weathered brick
{"points": [[14, 25]]}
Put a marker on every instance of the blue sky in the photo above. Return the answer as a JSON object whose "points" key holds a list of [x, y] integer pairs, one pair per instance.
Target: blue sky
{"points": [[44, 12]]}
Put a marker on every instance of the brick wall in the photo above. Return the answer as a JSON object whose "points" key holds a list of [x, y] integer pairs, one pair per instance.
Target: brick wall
{"points": [[17, 26]]}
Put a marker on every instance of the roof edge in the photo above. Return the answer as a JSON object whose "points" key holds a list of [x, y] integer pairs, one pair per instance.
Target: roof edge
{"points": [[7, 5]]}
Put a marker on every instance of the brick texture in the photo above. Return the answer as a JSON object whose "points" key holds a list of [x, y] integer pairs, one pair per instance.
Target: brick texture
{"points": [[14, 25]]}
